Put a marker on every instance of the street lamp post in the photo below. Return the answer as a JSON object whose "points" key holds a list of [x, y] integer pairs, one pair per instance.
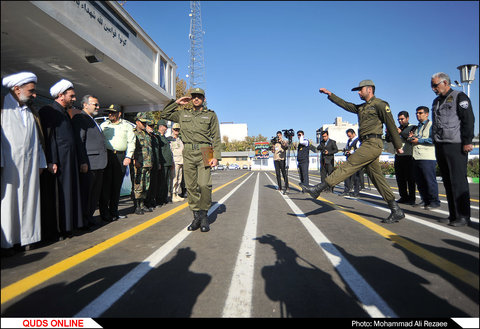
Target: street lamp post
{"points": [[467, 74]]}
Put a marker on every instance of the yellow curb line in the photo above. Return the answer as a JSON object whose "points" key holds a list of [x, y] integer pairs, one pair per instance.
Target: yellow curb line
{"points": [[17, 288]]}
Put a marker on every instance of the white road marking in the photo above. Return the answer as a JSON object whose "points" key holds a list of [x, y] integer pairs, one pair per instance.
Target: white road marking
{"points": [[370, 301], [104, 301], [239, 300]]}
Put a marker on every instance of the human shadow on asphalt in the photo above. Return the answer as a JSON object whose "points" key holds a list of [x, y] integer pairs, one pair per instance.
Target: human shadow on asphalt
{"points": [[304, 291], [169, 290], [404, 291], [459, 258]]}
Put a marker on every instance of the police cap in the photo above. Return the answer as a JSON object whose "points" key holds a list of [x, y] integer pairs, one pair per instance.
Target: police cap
{"points": [[114, 108]]}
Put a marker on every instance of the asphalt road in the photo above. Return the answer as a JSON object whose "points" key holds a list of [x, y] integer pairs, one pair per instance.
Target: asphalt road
{"points": [[267, 255]]}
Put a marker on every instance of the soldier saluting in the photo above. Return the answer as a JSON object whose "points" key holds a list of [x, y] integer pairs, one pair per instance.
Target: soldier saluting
{"points": [[371, 116], [201, 136]]}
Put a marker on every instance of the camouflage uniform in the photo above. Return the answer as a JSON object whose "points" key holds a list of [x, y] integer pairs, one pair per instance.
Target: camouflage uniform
{"points": [[143, 158]]}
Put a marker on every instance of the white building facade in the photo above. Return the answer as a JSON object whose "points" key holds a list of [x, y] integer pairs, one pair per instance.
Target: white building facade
{"points": [[233, 131], [96, 45]]}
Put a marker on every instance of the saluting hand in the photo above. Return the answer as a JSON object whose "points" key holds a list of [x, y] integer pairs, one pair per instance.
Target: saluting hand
{"points": [[183, 100]]}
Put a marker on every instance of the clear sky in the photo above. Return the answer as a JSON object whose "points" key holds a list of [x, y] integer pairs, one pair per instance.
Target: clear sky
{"points": [[265, 61]]}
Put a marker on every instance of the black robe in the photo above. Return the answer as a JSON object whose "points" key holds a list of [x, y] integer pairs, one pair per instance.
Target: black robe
{"points": [[61, 203]]}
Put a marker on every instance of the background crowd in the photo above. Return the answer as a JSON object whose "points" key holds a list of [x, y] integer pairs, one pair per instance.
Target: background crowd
{"points": [[59, 165]]}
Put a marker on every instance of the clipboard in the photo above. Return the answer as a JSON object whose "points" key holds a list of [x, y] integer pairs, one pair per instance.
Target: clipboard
{"points": [[207, 155]]}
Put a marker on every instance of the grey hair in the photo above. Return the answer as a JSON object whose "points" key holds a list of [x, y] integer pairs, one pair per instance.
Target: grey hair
{"points": [[442, 76], [85, 99]]}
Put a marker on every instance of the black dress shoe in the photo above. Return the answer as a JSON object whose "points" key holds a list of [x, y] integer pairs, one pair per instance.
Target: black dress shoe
{"points": [[462, 221]]}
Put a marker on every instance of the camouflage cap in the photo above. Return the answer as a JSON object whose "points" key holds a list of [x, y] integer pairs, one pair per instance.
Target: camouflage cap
{"points": [[199, 91], [176, 125], [142, 117], [364, 83]]}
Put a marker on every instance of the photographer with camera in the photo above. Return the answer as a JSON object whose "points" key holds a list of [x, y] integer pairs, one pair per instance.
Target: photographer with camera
{"points": [[328, 148], [353, 143], [303, 156], [279, 146]]}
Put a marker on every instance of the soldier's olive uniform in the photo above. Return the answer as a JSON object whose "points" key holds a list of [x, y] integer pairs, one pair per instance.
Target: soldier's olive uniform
{"points": [[143, 156], [371, 117], [199, 129]]}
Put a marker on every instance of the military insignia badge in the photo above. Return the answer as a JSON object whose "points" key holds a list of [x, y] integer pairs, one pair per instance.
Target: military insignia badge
{"points": [[387, 109], [464, 105], [449, 99]]}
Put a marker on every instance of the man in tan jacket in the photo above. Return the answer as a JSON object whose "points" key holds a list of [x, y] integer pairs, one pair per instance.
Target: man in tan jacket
{"points": [[176, 145]]}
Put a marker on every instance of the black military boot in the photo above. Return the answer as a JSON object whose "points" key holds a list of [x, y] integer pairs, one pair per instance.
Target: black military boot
{"points": [[396, 213], [196, 221], [205, 225], [315, 190], [138, 208]]}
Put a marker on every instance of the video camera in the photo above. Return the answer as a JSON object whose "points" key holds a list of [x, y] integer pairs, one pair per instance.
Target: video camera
{"points": [[288, 133]]}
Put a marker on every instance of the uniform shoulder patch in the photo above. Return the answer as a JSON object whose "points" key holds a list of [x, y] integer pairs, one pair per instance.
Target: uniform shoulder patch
{"points": [[464, 105], [387, 108]]}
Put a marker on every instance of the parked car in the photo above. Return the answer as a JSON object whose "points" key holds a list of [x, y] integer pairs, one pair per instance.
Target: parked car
{"points": [[234, 166], [220, 167], [245, 166]]}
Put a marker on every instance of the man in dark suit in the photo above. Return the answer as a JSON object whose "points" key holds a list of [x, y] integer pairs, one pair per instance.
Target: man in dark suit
{"points": [[328, 148], [95, 151]]}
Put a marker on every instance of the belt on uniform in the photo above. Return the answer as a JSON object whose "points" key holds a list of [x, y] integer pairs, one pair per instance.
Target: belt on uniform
{"points": [[116, 152], [196, 146], [365, 137]]}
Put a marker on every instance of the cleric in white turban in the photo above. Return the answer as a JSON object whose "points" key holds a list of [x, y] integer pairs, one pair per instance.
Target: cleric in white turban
{"points": [[21, 161], [18, 79], [60, 87]]}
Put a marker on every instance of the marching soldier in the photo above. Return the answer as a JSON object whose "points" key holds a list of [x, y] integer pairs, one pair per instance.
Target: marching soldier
{"points": [[142, 163], [201, 136], [371, 116]]}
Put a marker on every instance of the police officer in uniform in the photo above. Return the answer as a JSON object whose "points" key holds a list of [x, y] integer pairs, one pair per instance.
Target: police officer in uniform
{"points": [[371, 116], [200, 131], [142, 163], [452, 128]]}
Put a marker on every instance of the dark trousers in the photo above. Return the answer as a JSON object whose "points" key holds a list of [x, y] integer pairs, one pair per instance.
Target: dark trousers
{"points": [[303, 170], [452, 162], [327, 166], [163, 184], [112, 184], [426, 179], [353, 182], [91, 188], [404, 176], [280, 167], [151, 200]]}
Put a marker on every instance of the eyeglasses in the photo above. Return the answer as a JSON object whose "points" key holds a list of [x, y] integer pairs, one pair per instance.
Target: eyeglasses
{"points": [[420, 113], [95, 104], [176, 129], [200, 96], [435, 85]]}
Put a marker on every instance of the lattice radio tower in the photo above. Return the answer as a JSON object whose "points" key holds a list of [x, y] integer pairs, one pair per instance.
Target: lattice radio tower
{"points": [[197, 62]]}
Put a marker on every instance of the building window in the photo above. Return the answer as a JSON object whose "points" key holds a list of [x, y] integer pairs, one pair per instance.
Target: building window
{"points": [[163, 69]]}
